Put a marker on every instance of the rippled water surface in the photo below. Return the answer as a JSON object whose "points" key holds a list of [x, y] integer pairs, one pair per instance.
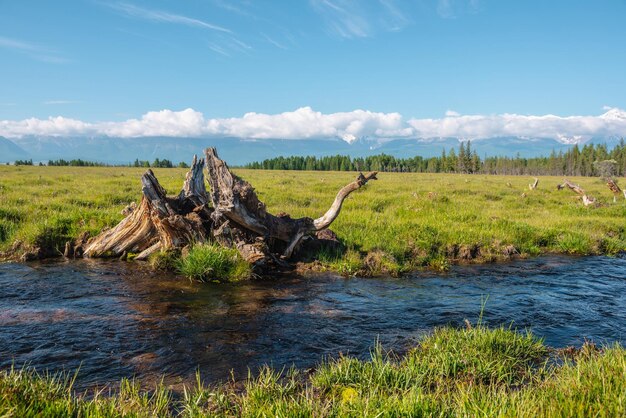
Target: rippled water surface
{"points": [[116, 319]]}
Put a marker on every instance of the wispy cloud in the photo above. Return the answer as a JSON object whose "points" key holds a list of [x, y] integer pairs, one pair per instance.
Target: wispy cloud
{"points": [[60, 102], [218, 49], [237, 7], [131, 10], [305, 123], [32, 50], [393, 18], [273, 41], [343, 18], [228, 46], [16, 44], [356, 19], [240, 44], [450, 9]]}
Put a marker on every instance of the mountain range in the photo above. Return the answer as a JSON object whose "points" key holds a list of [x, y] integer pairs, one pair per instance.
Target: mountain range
{"points": [[237, 151]]}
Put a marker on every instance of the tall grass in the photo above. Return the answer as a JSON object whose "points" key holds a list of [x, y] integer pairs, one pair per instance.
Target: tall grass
{"points": [[453, 372], [406, 220], [211, 261]]}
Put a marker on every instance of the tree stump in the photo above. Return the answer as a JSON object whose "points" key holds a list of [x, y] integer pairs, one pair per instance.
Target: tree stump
{"points": [[230, 214], [615, 189], [159, 222]]}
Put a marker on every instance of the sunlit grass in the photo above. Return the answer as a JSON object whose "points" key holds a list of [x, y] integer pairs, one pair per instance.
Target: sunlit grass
{"points": [[407, 220], [453, 372], [213, 262]]}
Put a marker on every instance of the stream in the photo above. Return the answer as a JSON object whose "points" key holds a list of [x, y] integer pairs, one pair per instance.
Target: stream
{"points": [[115, 319]]}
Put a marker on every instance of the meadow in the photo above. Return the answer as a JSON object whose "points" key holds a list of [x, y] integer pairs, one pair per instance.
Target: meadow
{"points": [[401, 222], [453, 372]]}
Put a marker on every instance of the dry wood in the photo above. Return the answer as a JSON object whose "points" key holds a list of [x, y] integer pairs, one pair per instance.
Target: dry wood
{"points": [[159, 222], [534, 185], [612, 184], [235, 200], [332, 213], [194, 189], [587, 200], [230, 214], [573, 187]]}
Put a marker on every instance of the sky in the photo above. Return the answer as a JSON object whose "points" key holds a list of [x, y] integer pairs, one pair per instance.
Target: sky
{"points": [[311, 68]]}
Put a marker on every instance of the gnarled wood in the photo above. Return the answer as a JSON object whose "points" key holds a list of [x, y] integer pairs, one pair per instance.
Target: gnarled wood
{"points": [[237, 218], [194, 189], [234, 199], [159, 222], [534, 185], [612, 184], [332, 213], [587, 200]]}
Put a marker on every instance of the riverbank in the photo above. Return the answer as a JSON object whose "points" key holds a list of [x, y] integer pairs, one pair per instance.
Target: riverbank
{"points": [[399, 223], [453, 372]]}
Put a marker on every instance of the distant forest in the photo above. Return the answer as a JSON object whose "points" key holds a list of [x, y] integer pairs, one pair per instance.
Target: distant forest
{"points": [[165, 163], [590, 160]]}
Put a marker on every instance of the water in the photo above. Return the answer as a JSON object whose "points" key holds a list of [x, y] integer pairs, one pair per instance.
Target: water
{"points": [[114, 319]]}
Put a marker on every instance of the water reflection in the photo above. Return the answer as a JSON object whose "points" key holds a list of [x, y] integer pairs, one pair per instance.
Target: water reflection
{"points": [[120, 319]]}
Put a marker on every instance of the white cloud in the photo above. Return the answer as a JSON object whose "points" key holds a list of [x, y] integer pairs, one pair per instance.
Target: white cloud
{"points": [[53, 126], [566, 129], [187, 122], [306, 123]]}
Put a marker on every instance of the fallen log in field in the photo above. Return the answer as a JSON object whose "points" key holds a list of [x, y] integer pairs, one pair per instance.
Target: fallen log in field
{"points": [[587, 200]]}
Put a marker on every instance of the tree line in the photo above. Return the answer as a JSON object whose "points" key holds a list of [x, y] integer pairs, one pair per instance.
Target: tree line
{"points": [[588, 160], [158, 163]]}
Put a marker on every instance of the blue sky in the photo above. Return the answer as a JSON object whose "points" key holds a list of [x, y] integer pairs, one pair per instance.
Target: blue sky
{"points": [[93, 62]]}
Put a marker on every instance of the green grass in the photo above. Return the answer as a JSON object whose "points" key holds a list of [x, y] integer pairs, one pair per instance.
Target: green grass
{"points": [[400, 222], [452, 373], [213, 262]]}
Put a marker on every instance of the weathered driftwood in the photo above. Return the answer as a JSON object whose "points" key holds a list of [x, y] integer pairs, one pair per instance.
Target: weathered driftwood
{"points": [[534, 185], [612, 184], [230, 214], [587, 200]]}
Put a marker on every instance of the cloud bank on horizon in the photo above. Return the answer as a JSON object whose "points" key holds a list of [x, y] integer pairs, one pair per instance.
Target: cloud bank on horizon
{"points": [[305, 123]]}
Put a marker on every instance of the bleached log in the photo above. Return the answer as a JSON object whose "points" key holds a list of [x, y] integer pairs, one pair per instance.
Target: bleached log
{"points": [[332, 213], [587, 200]]}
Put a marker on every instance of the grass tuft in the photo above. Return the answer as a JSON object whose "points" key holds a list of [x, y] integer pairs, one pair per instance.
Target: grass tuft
{"points": [[212, 261]]}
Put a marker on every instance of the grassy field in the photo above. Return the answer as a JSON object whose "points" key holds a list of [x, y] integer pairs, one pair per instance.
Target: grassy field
{"points": [[395, 224], [465, 373]]}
